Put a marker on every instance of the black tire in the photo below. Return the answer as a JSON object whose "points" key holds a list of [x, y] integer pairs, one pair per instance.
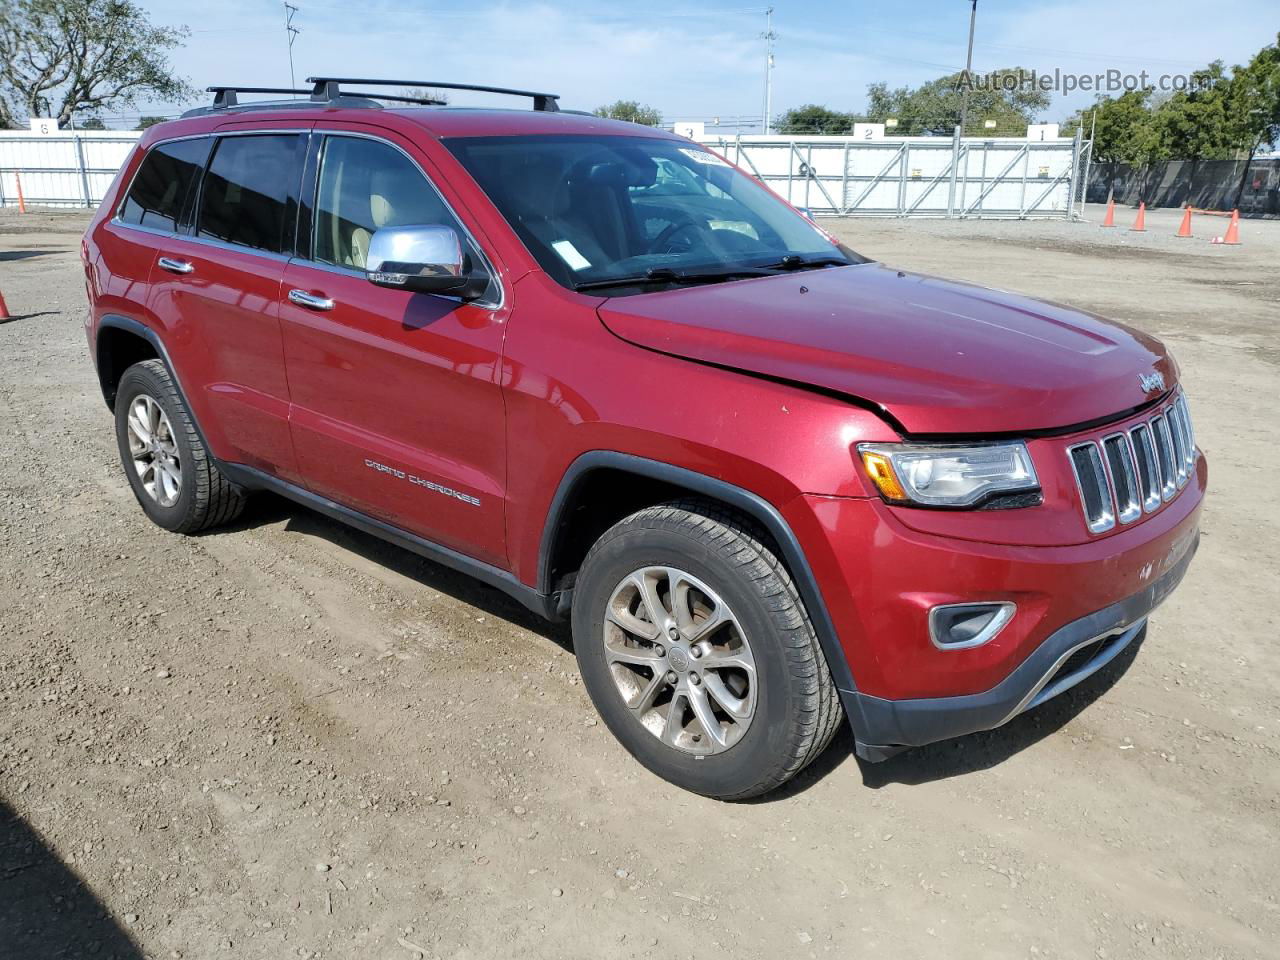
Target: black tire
{"points": [[206, 498], [797, 709]]}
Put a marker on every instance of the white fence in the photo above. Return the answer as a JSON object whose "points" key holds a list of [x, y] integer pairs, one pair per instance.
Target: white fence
{"points": [[828, 176], [65, 169], [917, 176]]}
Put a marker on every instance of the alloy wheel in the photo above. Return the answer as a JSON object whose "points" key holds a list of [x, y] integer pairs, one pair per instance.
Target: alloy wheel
{"points": [[680, 660], [154, 451]]}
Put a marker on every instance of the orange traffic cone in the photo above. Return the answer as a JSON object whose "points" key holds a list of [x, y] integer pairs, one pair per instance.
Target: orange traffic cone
{"points": [[1140, 225], [1110, 219], [1233, 229], [1185, 229], [4, 311]]}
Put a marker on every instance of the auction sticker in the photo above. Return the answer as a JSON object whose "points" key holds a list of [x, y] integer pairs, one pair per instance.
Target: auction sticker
{"points": [[701, 156]]}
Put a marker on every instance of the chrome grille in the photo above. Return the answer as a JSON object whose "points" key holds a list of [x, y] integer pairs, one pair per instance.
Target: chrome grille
{"points": [[1123, 470], [1148, 469], [1129, 473], [1092, 482], [1164, 457]]}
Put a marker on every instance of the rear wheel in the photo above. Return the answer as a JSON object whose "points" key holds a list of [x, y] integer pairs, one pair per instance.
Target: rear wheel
{"points": [[698, 653], [171, 473]]}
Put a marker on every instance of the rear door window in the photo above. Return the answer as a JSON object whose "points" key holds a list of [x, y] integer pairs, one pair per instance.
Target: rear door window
{"points": [[249, 194], [164, 188]]}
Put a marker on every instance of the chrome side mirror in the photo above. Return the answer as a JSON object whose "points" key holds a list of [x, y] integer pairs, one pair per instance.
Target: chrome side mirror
{"points": [[426, 259]]}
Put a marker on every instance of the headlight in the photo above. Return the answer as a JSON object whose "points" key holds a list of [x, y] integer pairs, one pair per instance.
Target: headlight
{"points": [[945, 476]]}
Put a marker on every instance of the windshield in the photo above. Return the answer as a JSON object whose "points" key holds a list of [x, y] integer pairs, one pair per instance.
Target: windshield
{"points": [[597, 209]]}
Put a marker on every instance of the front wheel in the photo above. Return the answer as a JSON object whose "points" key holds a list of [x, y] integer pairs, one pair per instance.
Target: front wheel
{"points": [[697, 651]]}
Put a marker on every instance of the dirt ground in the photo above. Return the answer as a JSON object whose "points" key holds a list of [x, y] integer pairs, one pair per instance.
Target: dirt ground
{"points": [[288, 739]]}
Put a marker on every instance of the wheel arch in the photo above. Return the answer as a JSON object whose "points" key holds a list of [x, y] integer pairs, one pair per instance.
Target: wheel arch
{"points": [[120, 343], [562, 538]]}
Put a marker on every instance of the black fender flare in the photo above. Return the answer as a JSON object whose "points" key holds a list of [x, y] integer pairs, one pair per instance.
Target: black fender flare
{"points": [[140, 329], [753, 505]]}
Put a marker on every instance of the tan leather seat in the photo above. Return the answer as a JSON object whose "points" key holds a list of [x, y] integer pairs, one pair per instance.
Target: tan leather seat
{"points": [[381, 214]]}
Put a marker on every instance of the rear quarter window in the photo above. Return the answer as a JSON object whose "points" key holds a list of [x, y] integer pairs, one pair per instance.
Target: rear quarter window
{"points": [[164, 187]]}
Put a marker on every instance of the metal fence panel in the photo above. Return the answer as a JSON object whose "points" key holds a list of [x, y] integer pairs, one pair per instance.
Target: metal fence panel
{"points": [[69, 169], [915, 176], [828, 176]]}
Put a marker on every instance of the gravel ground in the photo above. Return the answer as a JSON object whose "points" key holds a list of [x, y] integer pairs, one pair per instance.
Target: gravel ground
{"points": [[287, 739]]}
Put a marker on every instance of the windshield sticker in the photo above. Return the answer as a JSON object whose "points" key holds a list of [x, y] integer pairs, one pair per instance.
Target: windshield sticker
{"points": [[735, 226], [570, 255], [701, 156]]}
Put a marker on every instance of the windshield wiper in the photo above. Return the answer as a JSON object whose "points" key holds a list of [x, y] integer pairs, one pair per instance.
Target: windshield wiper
{"points": [[667, 275], [793, 261]]}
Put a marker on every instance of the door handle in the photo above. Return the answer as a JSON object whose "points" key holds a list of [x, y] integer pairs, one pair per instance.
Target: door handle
{"points": [[310, 301], [175, 266]]}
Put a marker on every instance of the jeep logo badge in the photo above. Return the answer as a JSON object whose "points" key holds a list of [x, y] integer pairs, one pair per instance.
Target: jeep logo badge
{"points": [[1151, 381]]}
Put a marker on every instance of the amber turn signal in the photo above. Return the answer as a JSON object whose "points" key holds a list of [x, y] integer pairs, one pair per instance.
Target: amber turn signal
{"points": [[880, 470]]}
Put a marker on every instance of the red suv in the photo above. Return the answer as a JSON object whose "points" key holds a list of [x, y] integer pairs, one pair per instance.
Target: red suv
{"points": [[599, 368]]}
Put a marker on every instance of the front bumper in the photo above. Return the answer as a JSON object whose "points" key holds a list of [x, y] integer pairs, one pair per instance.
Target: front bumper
{"points": [[1070, 655], [1077, 607]]}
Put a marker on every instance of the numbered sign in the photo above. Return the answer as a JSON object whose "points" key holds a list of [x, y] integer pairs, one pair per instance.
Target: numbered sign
{"points": [[868, 131], [44, 126]]}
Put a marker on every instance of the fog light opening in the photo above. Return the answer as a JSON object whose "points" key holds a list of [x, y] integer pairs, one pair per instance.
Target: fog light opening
{"points": [[962, 626]]}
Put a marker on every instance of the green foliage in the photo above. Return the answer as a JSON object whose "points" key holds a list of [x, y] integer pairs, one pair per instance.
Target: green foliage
{"points": [[1223, 116], [146, 122], [1199, 124], [58, 57], [1255, 97], [935, 107], [93, 123], [630, 111], [1123, 128], [812, 118]]}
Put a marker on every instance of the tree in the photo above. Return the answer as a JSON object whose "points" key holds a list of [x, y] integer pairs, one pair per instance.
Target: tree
{"points": [[1255, 97], [934, 107], [631, 111], [93, 123], [149, 121], [1201, 123], [812, 118], [425, 93], [1123, 128], [58, 57]]}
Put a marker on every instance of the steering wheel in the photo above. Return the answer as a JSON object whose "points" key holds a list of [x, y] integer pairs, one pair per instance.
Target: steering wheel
{"points": [[662, 242]]}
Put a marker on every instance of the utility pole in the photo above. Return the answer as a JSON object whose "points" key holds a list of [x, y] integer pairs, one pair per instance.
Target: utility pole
{"points": [[291, 32], [968, 68], [768, 37]]}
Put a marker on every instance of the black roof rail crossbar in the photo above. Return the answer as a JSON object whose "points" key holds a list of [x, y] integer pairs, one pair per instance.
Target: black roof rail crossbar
{"points": [[226, 96], [326, 88]]}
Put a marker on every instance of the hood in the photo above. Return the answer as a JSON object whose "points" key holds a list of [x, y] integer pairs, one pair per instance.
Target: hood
{"points": [[938, 356]]}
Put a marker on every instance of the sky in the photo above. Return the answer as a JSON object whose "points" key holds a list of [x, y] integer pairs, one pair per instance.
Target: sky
{"points": [[702, 60]]}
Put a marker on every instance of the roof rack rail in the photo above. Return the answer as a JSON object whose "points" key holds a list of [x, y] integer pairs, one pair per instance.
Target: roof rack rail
{"points": [[326, 88], [228, 97]]}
